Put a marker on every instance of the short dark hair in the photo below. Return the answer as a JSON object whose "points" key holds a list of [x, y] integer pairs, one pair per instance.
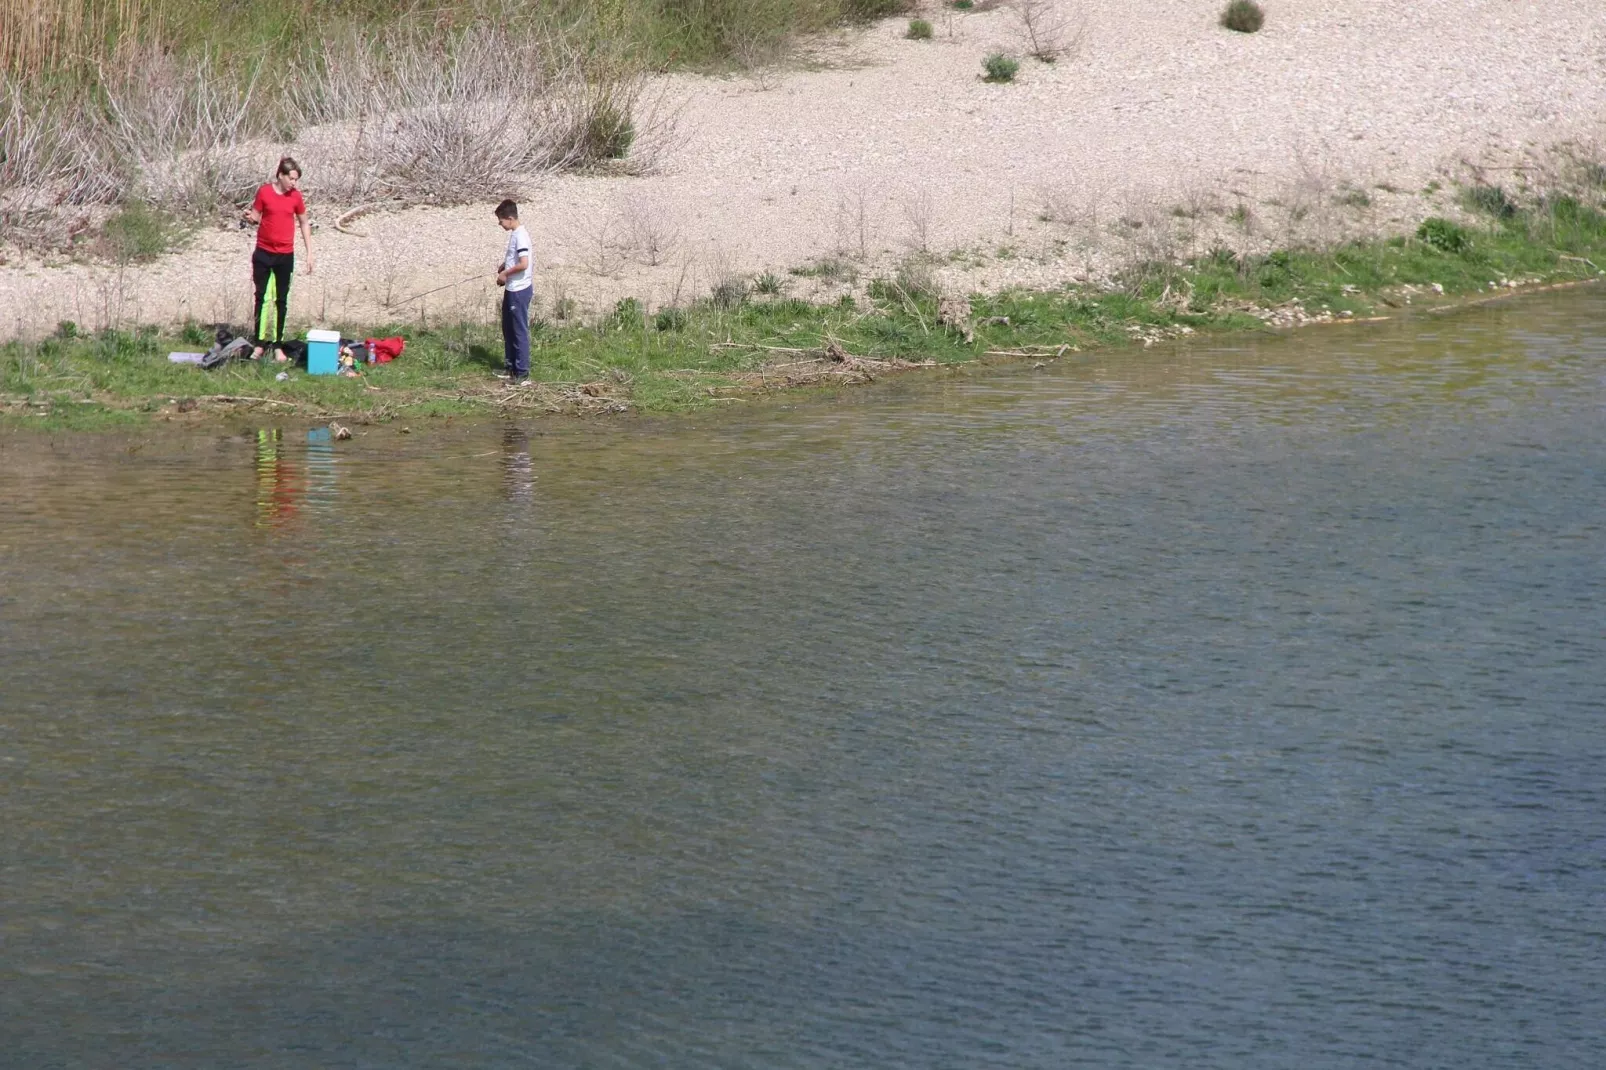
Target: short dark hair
{"points": [[288, 164], [507, 210]]}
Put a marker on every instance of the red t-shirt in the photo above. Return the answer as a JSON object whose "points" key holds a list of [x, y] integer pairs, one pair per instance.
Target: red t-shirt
{"points": [[277, 231]]}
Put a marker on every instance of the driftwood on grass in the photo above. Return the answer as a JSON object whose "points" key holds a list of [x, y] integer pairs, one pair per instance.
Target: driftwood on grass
{"points": [[240, 399], [1033, 351], [583, 399]]}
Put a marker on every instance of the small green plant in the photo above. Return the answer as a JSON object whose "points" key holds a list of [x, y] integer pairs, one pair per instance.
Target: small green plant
{"points": [[1489, 200], [1444, 235], [66, 330], [627, 315], [1241, 217], [138, 233], [919, 30], [867, 10], [999, 68], [1243, 16], [670, 319], [605, 133], [1274, 269], [768, 283], [914, 281], [917, 279], [962, 5], [1354, 198], [830, 269]]}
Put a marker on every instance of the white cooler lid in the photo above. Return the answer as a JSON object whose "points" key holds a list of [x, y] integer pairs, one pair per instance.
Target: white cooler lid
{"points": [[324, 336]]}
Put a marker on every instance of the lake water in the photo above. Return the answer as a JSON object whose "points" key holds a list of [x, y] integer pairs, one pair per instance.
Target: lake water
{"points": [[1238, 705]]}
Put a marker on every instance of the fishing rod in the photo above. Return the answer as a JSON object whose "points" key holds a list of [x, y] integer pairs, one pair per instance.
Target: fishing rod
{"points": [[436, 290]]}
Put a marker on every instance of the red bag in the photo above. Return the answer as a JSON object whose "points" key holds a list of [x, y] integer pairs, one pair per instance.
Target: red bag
{"points": [[386, 350]]}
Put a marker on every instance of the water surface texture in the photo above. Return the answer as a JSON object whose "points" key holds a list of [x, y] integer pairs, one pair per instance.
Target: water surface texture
{"points": [[1233, 706]]}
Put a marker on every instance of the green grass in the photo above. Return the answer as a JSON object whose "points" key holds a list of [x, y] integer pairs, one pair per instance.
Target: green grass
{"points": [[679, 359], [919, 30], [999, 68], [139, 233], [1243, 16], [698, 33], [1488, 200]]}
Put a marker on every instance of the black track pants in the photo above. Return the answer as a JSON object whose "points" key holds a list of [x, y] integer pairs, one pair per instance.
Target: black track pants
{"points": [[270, 273]]}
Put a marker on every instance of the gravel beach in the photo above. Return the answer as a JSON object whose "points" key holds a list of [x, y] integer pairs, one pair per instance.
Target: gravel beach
{"points": [[1159, 133]]}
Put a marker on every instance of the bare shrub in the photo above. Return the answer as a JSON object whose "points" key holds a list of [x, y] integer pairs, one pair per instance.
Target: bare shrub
{"points": [[727, 287], [409, 114], [759, 52], [1048, 30], [607, 122], [49, 156], [1058, 204], [649, 234], [442, 121], [1147, 243], [449, 120], [851, 225], [919, 214], [1311, 204], [917, 279], [177, 132], [606, 241]]}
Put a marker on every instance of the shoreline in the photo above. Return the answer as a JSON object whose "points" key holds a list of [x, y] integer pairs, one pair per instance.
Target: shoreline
{"points": [[759, 345], [1162, 136]]}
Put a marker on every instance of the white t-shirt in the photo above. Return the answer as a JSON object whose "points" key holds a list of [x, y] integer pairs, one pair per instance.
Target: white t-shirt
{"points": [[518, 248]]}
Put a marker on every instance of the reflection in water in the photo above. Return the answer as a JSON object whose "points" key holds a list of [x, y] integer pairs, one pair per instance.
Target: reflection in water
{"points": [[518, 473], [320, 470], [280, 485], [1235, 706], [286, 482]]}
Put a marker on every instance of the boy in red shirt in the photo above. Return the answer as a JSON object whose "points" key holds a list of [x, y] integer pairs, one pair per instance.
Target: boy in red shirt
{"points": [[277, 211]]}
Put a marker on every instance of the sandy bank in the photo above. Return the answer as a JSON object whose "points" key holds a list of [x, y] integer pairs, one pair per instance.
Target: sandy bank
{"points": [[889, 146]]}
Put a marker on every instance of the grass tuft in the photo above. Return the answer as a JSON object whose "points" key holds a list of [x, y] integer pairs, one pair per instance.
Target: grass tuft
{"points": [[1443, 235], [919, 30], [1489, 200], [999, 68], [868, 10], [139, 233], [728, 293], [1243, 16]]}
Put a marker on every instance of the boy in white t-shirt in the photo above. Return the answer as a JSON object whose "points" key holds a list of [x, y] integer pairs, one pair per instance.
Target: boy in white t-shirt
{"points": [[515, 278]]}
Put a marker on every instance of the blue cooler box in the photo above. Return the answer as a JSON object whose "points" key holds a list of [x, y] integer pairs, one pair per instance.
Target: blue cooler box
{"points": [[323, 352]]}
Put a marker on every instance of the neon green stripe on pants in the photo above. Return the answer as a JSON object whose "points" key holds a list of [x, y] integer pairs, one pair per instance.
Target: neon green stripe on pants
{"points": [[268, 318]]}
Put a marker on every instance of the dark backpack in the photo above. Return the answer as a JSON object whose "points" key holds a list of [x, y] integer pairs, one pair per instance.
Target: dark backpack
{"points": [[224, 351]]}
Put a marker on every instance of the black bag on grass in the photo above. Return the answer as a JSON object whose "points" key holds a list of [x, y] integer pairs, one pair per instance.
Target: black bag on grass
{"points": [[224, 351]]}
